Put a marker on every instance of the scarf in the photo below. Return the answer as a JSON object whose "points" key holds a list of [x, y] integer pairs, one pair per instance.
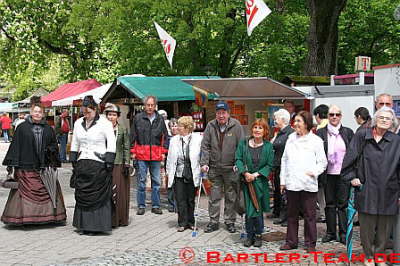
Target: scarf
{"points": [[334, 134]]}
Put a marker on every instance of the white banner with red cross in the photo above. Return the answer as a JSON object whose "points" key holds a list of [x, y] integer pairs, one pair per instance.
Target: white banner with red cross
{"points": [[256, 11], [167, 42]]}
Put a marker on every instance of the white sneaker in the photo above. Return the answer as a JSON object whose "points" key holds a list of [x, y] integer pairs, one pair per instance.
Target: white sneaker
{"points": [[381, 264]]}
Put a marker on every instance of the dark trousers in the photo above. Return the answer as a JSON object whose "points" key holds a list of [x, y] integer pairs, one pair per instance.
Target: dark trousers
{"points": [[277, 193], [254, 226], [336, 197], [171, 198], [184, 195], [375, 231], [307, 202]]}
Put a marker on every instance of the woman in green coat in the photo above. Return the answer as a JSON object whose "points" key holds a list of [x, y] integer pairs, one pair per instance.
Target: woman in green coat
{"points": [[254, 158], [120, 175]]}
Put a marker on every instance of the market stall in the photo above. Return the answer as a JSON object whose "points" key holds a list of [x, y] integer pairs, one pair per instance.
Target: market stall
{"points": [[250, 98], [174, 95]]}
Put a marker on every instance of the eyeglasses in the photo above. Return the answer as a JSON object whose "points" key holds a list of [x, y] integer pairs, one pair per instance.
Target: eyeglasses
{"points": [[384, 118], [386, 104], [335, 114]]}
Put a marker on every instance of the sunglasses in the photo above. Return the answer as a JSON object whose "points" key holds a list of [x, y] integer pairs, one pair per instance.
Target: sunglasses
{"points": [[335, 114]]}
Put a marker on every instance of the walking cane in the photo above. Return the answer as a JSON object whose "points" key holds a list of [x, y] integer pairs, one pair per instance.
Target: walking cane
{"points": [[196, 213]]}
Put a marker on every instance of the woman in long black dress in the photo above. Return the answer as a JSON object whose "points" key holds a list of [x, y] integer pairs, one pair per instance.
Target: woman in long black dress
{"points": [[33, 155], [92, 156]]}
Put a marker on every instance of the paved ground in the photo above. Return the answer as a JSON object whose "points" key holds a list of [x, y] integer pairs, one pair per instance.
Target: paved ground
{"points": [[148, 240]]}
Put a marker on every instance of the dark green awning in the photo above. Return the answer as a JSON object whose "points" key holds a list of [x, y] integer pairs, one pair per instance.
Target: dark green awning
{"points": [[164, 88]]}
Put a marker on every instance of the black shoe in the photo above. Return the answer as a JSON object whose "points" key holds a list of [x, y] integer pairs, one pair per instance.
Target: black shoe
{"points": [[356, 223], [231, 228], [278, 221], [342, 239], [140, 211], [211, 227], [156, 210], [321, 220], [171, 209], [328, 238], [248, 242], [257, 241], [284, 224]]}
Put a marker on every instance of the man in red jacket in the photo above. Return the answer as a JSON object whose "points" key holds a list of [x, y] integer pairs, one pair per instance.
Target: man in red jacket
{"points": [[5, 126], [148, 136]]}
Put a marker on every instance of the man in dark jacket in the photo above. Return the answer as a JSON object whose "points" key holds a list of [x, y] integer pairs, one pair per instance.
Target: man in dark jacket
{"points": [[336, 140], [218, 147], [282, 122], [149, 139]]}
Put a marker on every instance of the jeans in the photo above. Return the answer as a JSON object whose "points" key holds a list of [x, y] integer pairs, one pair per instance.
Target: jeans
{"points": [[254, 226], [5, 135], [62, 139], [154, 167]]}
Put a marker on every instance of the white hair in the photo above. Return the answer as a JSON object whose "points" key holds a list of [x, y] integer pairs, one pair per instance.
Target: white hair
{"points": [[386, 109], [284, 115], [334, 107]]}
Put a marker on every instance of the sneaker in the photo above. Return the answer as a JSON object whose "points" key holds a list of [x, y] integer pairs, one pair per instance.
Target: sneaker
{"points": [[156, 210], [140, 211], [231, 228], [211, 227], [257, 241]]}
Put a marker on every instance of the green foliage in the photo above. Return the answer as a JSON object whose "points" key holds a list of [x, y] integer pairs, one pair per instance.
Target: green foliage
{"points": [[50, 42], [368, 28]]}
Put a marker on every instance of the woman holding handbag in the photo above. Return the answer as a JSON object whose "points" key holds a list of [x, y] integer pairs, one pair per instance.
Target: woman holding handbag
{"points": [[121, 178], [183, 170], [254, 160]]}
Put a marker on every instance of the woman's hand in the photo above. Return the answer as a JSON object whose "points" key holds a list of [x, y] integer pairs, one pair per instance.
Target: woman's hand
{"points": [[249, 177], [356, 182], [283, 187]]}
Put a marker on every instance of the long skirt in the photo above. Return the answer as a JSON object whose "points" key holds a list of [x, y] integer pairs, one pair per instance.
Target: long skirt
{"points": [[120, 196], [31, 203], [93, 197]]}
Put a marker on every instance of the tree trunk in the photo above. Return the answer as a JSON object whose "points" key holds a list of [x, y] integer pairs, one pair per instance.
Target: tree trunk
{"points": [[323, 37]]}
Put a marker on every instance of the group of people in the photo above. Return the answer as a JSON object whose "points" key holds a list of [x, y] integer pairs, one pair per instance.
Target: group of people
{"points": [[312, 170]]}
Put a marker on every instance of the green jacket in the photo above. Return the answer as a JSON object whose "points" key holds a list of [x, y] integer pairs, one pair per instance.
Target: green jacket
{"points": [[244, 164], [123, 148]]}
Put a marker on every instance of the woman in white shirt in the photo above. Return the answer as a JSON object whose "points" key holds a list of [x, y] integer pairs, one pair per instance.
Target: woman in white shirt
{"points": [[92, 156], [183, 169], [302, 162]]}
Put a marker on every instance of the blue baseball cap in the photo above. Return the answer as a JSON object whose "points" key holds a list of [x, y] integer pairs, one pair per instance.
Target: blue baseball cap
{"points": [[222, 105]]}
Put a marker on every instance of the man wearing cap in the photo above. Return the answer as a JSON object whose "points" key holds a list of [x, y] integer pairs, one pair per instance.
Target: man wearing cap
{"points": [[218, 147]]}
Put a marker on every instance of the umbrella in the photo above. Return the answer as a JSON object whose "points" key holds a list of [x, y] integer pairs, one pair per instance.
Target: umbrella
{"points": [[351, 213], [49, 179], [253, 196]]}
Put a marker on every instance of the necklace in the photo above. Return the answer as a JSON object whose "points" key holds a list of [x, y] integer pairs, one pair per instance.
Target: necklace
{"points": [[253, 144]]}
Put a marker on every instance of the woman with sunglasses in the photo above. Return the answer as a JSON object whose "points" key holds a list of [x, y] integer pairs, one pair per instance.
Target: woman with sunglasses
{"points": [[336, 139]]}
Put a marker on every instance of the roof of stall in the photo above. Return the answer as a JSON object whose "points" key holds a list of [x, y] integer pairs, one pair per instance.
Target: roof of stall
{"points": [[246, 88]]}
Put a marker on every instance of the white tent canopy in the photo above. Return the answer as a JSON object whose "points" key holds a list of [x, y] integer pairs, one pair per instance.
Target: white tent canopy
{"points": [[97, 94]]}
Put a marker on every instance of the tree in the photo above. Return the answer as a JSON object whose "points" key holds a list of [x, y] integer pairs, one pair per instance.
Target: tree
{"points": [[323, 37]]}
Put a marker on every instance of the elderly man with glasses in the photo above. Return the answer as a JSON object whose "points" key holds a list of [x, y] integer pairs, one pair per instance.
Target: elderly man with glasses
{"points": [[336, 140]]}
